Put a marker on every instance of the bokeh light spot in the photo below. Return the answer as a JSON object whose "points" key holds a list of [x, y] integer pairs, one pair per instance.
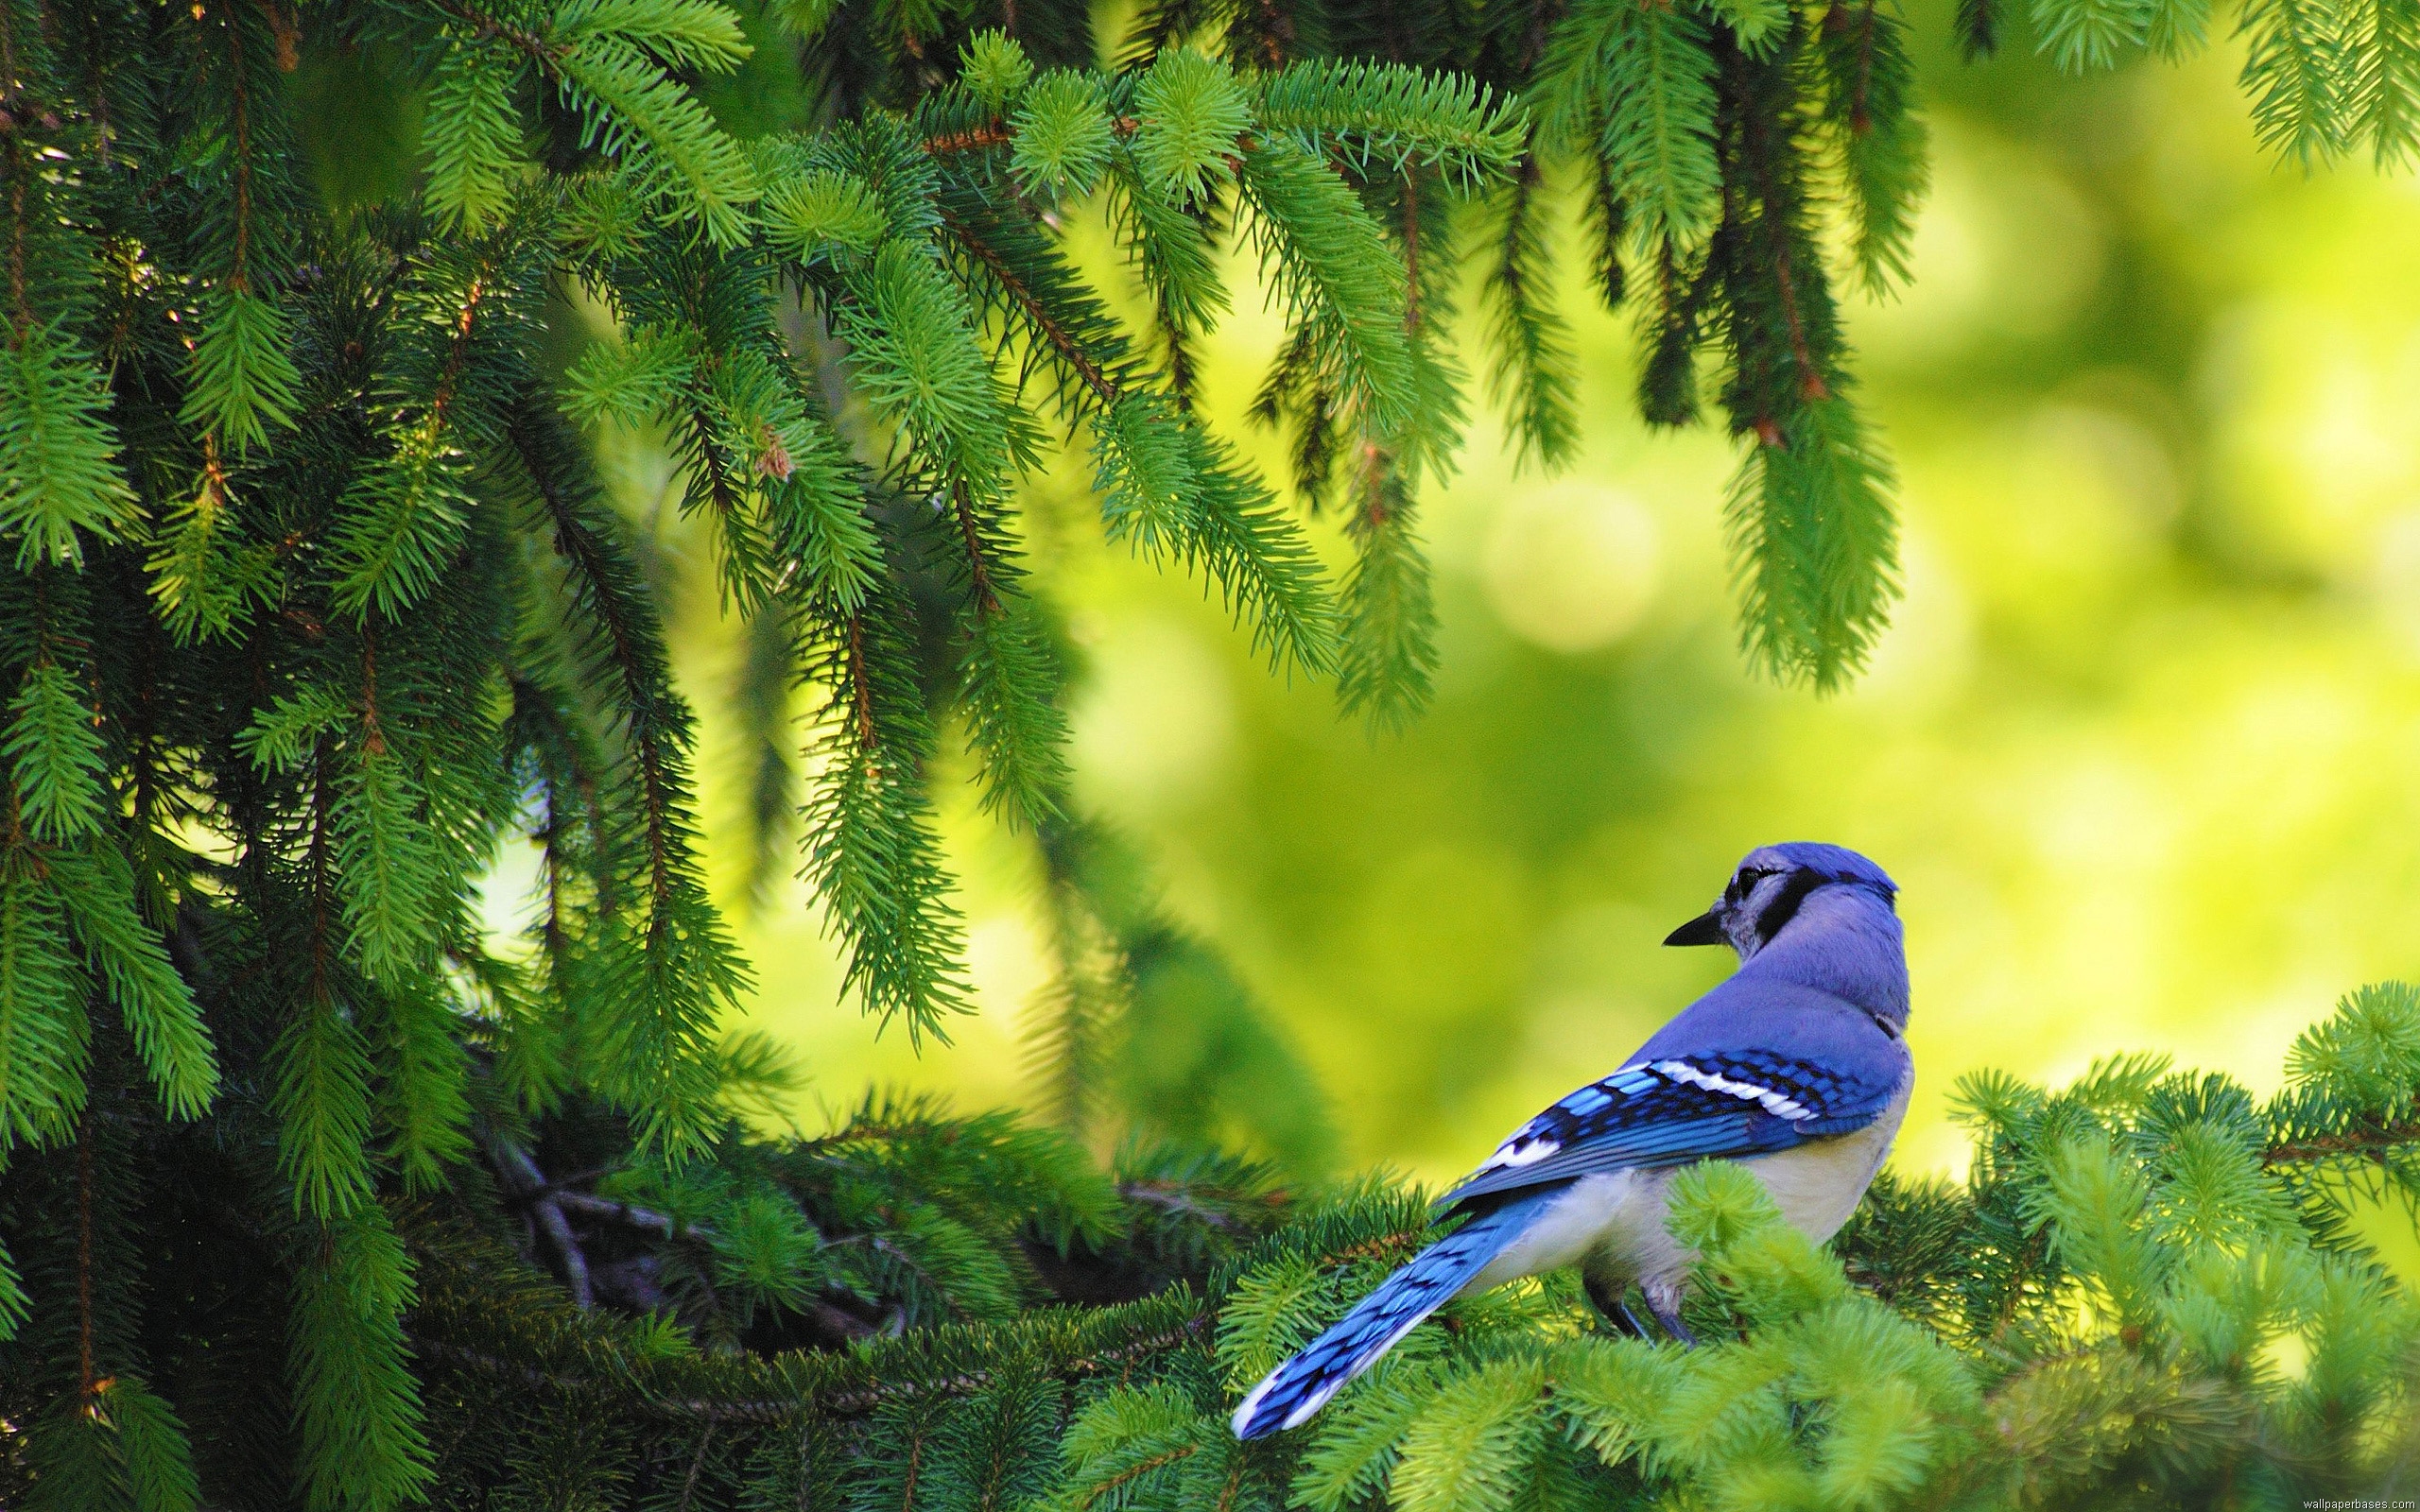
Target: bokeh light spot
{"points": [[1571, 567]]}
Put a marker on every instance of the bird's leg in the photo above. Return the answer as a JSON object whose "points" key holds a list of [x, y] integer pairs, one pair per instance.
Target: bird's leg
{"points": [[1664, 1304], [1605, 1296], [1637, 1329]]}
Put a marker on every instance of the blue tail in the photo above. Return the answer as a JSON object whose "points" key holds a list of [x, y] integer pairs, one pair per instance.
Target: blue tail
{"points": [[1288, 1396]]}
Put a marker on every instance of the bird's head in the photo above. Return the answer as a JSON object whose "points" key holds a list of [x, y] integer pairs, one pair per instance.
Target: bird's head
{"points": [[1772, 887]]}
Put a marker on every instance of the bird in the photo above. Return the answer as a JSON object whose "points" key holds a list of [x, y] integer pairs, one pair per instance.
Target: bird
{"points": [[1796, 1065]]}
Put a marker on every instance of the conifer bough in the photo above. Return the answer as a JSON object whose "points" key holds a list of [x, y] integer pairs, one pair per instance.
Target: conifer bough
{"points": [[313, 599]]}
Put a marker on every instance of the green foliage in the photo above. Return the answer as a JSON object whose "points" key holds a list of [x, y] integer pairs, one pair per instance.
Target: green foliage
{"points": [[357, 1418], [1064, 135], [1385, 117], [471, 134], [122, 1448], [997, 68], [1811, 524], [170, 1039], [55, 754], [1640, 81], [45, 1033], [58, 473], [1532, 375], [2137, 1297], [2324, 79], [1868, 76], [323, 1104], [314, 603], [1190, 112], [244, 383]]}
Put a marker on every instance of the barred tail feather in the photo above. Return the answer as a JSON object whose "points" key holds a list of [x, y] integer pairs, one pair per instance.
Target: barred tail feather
{"points": [[1288, 1396]]}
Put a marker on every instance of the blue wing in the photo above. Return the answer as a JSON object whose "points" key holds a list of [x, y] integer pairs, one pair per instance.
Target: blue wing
{"points": [[1674, 1109]]}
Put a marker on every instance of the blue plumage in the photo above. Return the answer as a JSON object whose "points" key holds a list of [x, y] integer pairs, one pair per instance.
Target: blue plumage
{"points": [[1796, 1065], [1301, 1386], [1678, 1109]]}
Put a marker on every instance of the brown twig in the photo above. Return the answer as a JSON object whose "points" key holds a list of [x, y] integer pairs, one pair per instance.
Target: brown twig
{"points": [[1176, 1202], [547, 1207], [2369, 1144], [1035, 313]]}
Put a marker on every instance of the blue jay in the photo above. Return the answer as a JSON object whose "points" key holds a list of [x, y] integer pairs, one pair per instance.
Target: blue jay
{"points": [[1796, 1065]]}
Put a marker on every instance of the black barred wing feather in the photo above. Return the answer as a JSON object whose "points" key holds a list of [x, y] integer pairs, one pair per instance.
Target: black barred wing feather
{"points": [[1681, 1109]]}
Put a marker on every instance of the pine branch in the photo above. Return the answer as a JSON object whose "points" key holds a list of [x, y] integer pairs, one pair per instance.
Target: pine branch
{"points": [[2294, 66], [1868, 103], [684, 969], [1533, 373], [871, 852], [1642, 80]]}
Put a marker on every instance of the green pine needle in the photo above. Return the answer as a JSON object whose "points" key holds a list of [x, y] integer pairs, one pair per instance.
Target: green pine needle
{"points": [[2386, 82], [1532, 374], [2179, 28], [633, 381], [472, 134], [913, 349], [171, 1038], [1386, 117], [14, 1305], [1333, 266], [45, 1037], [1254, 550], [1636, 85], [1758, 23], [1390, 645], [1191, 109], [1063, 134], [1471, 1447], [55, 755], [59, 467], [426, 1076], [822, 212], [1869, 103], [2087, 34], [284, 736], [697, 36], [1815, 547], [357, 1405], [764, 1249], [2295, 68], [995, 67], [322, 1097], [679, 158], [1144, 473], [244, 384], [871, 847], [401, 525], [1015, 726], [153, 1462], [207, 580]]}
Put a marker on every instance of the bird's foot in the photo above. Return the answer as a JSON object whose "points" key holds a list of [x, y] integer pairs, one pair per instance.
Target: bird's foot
{"points": [[1664, 1304]]}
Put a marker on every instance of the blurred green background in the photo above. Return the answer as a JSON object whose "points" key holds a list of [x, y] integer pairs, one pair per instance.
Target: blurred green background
{"points": [[2142, 749]]}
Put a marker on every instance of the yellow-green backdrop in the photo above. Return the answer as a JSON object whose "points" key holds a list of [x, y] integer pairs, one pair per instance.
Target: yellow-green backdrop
{"points": [[2142, 747]]}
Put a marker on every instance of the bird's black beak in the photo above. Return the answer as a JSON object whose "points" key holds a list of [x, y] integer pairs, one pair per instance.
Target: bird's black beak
{"points": [[1704, 930]]}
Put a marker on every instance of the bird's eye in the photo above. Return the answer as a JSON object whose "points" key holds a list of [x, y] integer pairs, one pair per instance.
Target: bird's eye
{"points": [[1744, 881]]}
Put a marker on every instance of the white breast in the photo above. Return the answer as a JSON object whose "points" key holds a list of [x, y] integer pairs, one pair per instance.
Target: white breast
{"points": [[1819, 1184]]}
